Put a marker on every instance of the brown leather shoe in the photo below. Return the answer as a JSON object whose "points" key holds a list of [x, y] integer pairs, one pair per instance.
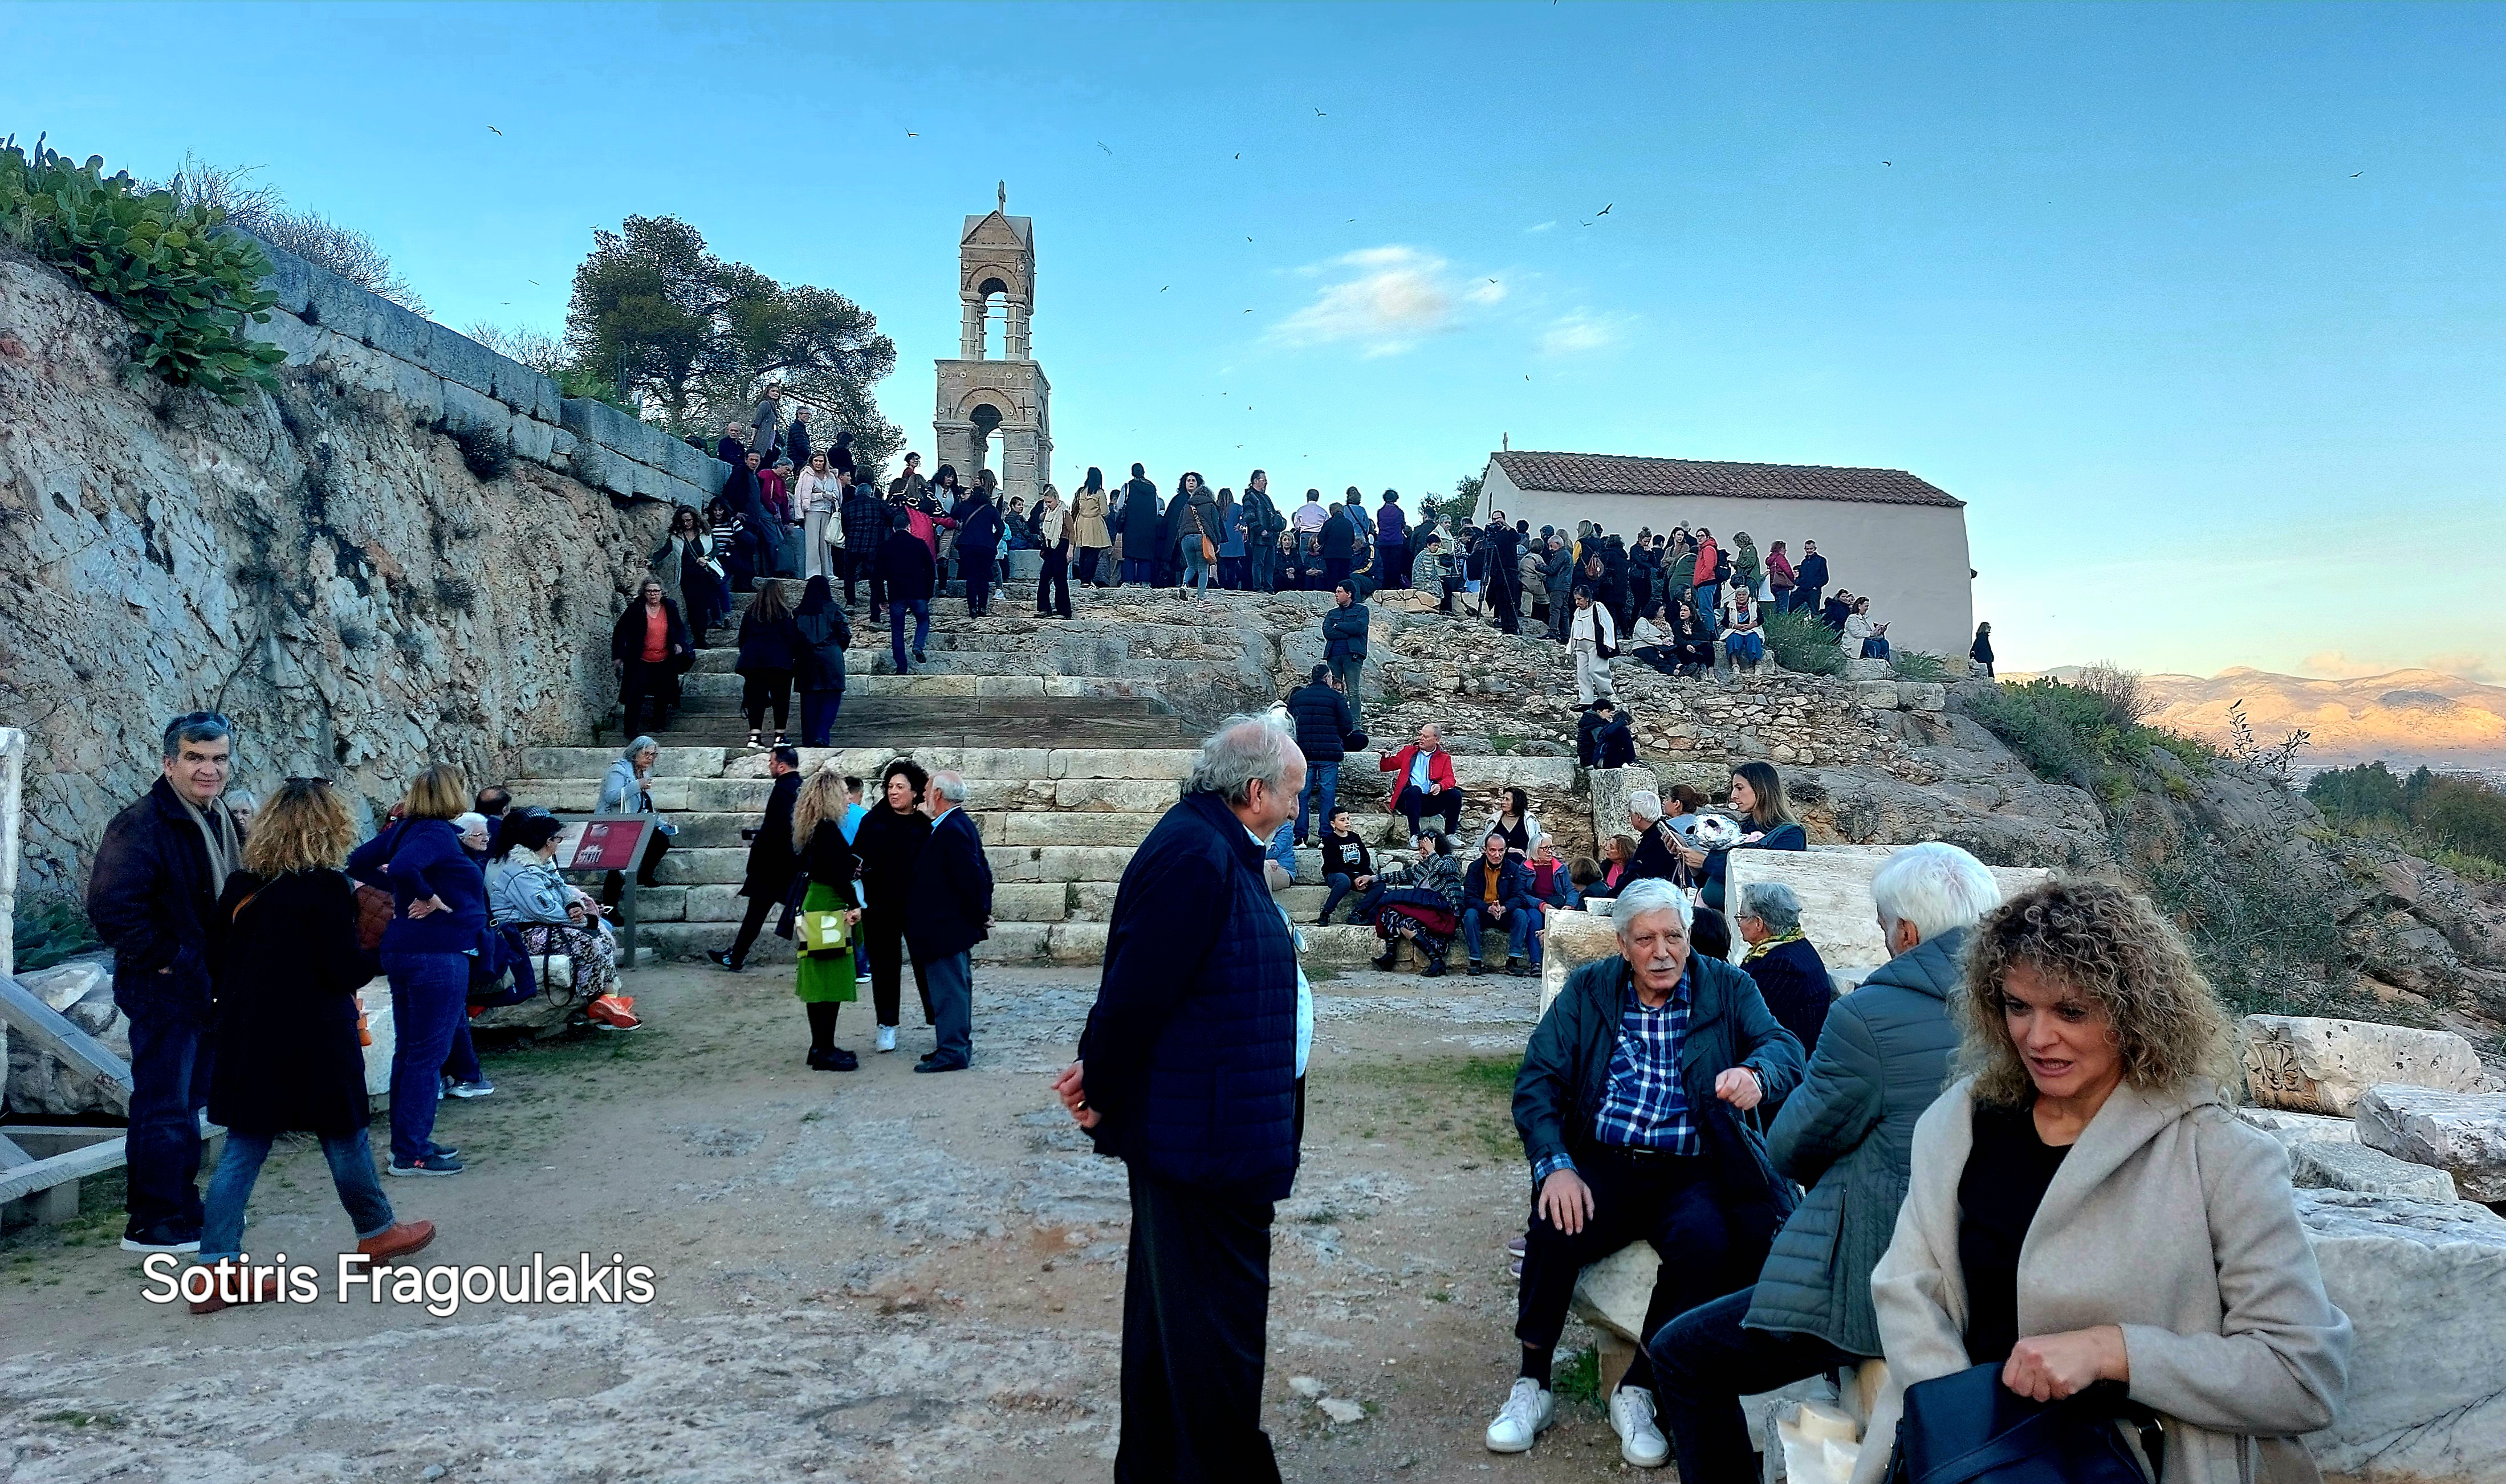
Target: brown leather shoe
{"points": [[399, 1241], [264, 1291]]}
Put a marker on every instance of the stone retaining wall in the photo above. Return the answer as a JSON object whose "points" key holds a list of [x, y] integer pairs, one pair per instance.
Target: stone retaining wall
{"points": [[443, 379]]}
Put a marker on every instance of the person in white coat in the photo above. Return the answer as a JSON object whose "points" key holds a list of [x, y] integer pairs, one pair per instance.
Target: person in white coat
{"points": [[2083, 1206], [1592, 635]]}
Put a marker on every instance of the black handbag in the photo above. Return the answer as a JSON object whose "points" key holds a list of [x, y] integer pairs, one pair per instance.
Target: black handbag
{"points": [[1969, 1429]]}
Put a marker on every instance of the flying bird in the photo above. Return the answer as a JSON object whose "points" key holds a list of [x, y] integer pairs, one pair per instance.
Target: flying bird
{"points": [[1164, 286], [1604, 211], [910, 135], [499, 133], [2354, 174], [533, 282], [1319, 114], [1239, 154], [1887, 162], [1248, 239], [1491, 280], [1102, 145]]}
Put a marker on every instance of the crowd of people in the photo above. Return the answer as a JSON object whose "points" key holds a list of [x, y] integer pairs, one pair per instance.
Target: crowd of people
{"points": [[2002, 1163]]}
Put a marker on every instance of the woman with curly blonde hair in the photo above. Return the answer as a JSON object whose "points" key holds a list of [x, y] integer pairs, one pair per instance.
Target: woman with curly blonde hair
{"points": [[2085, 1206]]}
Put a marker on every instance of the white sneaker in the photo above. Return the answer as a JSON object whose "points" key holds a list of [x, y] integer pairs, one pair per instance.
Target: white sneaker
{"points": [[1528, 1408], [887, 1038], [1640, 1442]]}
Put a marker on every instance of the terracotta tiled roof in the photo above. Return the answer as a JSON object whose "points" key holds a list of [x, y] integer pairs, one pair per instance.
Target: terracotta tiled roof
{"points": [[1603, 474]]}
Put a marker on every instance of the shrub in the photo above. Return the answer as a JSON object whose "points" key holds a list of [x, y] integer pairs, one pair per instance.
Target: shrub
{"points": [[2118, 690], [1800, 643], [2069, 733], [489, 454], [2267, 937], [1918, 664], [185, 287], [47, 931], [2442, 817]]}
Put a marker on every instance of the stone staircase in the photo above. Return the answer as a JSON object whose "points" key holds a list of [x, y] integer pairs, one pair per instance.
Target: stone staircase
{"points": [[1074, 736]]}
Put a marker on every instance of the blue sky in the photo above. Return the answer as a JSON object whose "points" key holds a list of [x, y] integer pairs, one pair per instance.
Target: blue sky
{"points": [[2198, 308]]}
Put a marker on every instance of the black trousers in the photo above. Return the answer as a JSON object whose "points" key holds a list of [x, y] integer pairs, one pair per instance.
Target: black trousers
{"points": [[753, 921], [1195, 1301], [1412, 804], [1704, 1363], [641, 684], [883, 936], [1665, 1199], [857, 568], [767, 690], [1052, 583], [977, 573]]}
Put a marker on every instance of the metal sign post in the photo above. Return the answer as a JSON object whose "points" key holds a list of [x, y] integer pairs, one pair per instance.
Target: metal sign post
{"points": [[609, 842]]}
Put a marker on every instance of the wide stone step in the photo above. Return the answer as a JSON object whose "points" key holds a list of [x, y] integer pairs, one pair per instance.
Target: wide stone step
{"points": [[594, 762], [727, 687], [1340, 946]]}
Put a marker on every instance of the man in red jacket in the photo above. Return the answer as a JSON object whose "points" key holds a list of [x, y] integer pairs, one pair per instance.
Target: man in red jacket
{"points": [[1423, 782]]}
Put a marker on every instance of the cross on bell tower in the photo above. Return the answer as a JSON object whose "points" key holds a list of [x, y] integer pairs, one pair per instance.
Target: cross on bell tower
{"points": [[980, 395]]}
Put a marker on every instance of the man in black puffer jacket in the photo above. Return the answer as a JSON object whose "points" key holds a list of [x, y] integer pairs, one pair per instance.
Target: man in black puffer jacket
{"points": [[1326, 729], [1190, 1072]]}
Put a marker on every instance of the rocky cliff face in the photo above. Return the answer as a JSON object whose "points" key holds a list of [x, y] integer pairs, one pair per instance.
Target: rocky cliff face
{"points": [[322, 565]]}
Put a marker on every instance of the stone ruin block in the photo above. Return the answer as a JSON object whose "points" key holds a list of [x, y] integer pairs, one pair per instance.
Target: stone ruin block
{"points": [[2424, 1285], [2318, 1065], [1571, 941], [1869, 669], [2462, 1133], [1922, 696], [2328, 1166], [1877, 694]]}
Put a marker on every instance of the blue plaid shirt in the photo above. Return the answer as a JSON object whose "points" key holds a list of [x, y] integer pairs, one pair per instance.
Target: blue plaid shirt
{"points": [[1645, 1107]]}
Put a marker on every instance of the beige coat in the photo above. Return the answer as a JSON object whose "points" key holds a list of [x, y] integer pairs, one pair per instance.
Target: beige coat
{"points": [[1087, 520], [2169, 1217]]}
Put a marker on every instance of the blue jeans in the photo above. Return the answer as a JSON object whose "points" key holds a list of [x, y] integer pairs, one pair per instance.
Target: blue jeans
{"points": [[170, 1085], [1875, 648], [1322, 785], [1707, 597], [818, 710], [1341, 886], [352, 1175], [1745, 649], [1517, 923], [1195, 571], [897, 609], [430, 993], [461, 1063], [1137, 570], [950, 983]]}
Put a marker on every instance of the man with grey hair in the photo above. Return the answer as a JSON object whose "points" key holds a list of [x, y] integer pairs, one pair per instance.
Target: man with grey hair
{"points": [[1191, 1072], [1788, 969], [1848, 1134], [1629, 1102], [946, 915], [152, 896]]}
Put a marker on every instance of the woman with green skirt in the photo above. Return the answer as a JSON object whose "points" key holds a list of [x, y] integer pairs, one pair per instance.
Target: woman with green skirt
{"points": [[826, 981]]}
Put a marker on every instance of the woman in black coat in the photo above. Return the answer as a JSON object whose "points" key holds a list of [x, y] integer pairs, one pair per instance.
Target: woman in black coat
{"points": [[286, 1056], [819, 663], [889, 843], [769, 651]]}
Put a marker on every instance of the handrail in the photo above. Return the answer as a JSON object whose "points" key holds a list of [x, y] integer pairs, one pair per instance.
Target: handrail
{"points": [[12, 777]]}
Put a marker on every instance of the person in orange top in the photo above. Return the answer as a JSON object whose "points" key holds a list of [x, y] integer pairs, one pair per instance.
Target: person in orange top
{"points": [[646, 648]]}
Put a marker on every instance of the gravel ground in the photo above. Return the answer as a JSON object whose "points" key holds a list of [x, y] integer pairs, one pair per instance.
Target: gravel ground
{"points": [[869, 1276]]}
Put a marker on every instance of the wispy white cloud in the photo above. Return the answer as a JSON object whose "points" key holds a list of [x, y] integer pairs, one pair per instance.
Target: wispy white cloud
{"points": [[2340, 665], [1578, 334], [1540, 226], [1385, 300]]}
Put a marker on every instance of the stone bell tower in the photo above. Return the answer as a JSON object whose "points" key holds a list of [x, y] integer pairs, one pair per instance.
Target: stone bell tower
{"points": [[980, 397]]}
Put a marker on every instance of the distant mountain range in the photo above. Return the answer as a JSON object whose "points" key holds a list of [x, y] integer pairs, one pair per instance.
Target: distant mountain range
{"points": [[2406, 717]]}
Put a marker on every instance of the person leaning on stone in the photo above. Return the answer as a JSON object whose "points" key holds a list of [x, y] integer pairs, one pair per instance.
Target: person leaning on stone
{"points": [[1630, 1104], [1881, 1055], [152, 898], [2083, 1206], [1191, 1072], [1326, 728]]}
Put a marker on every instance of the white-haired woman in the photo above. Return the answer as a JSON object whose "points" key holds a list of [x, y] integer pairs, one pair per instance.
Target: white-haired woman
{"points": [[628, 789], [2085, 1207]]}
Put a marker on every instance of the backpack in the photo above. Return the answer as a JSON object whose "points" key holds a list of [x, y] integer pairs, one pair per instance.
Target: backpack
{"points": [[1722, 566]]}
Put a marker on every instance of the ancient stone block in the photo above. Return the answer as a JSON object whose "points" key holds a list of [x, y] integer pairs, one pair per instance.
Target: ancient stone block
{"points": [[1922, 696], [2295, 1128], [1868, 669], [1611, 787], [1572, 941], [2310, 1064], [2356, 1167], [2424, 1285], [1877, 694], [2462, 1133]]}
